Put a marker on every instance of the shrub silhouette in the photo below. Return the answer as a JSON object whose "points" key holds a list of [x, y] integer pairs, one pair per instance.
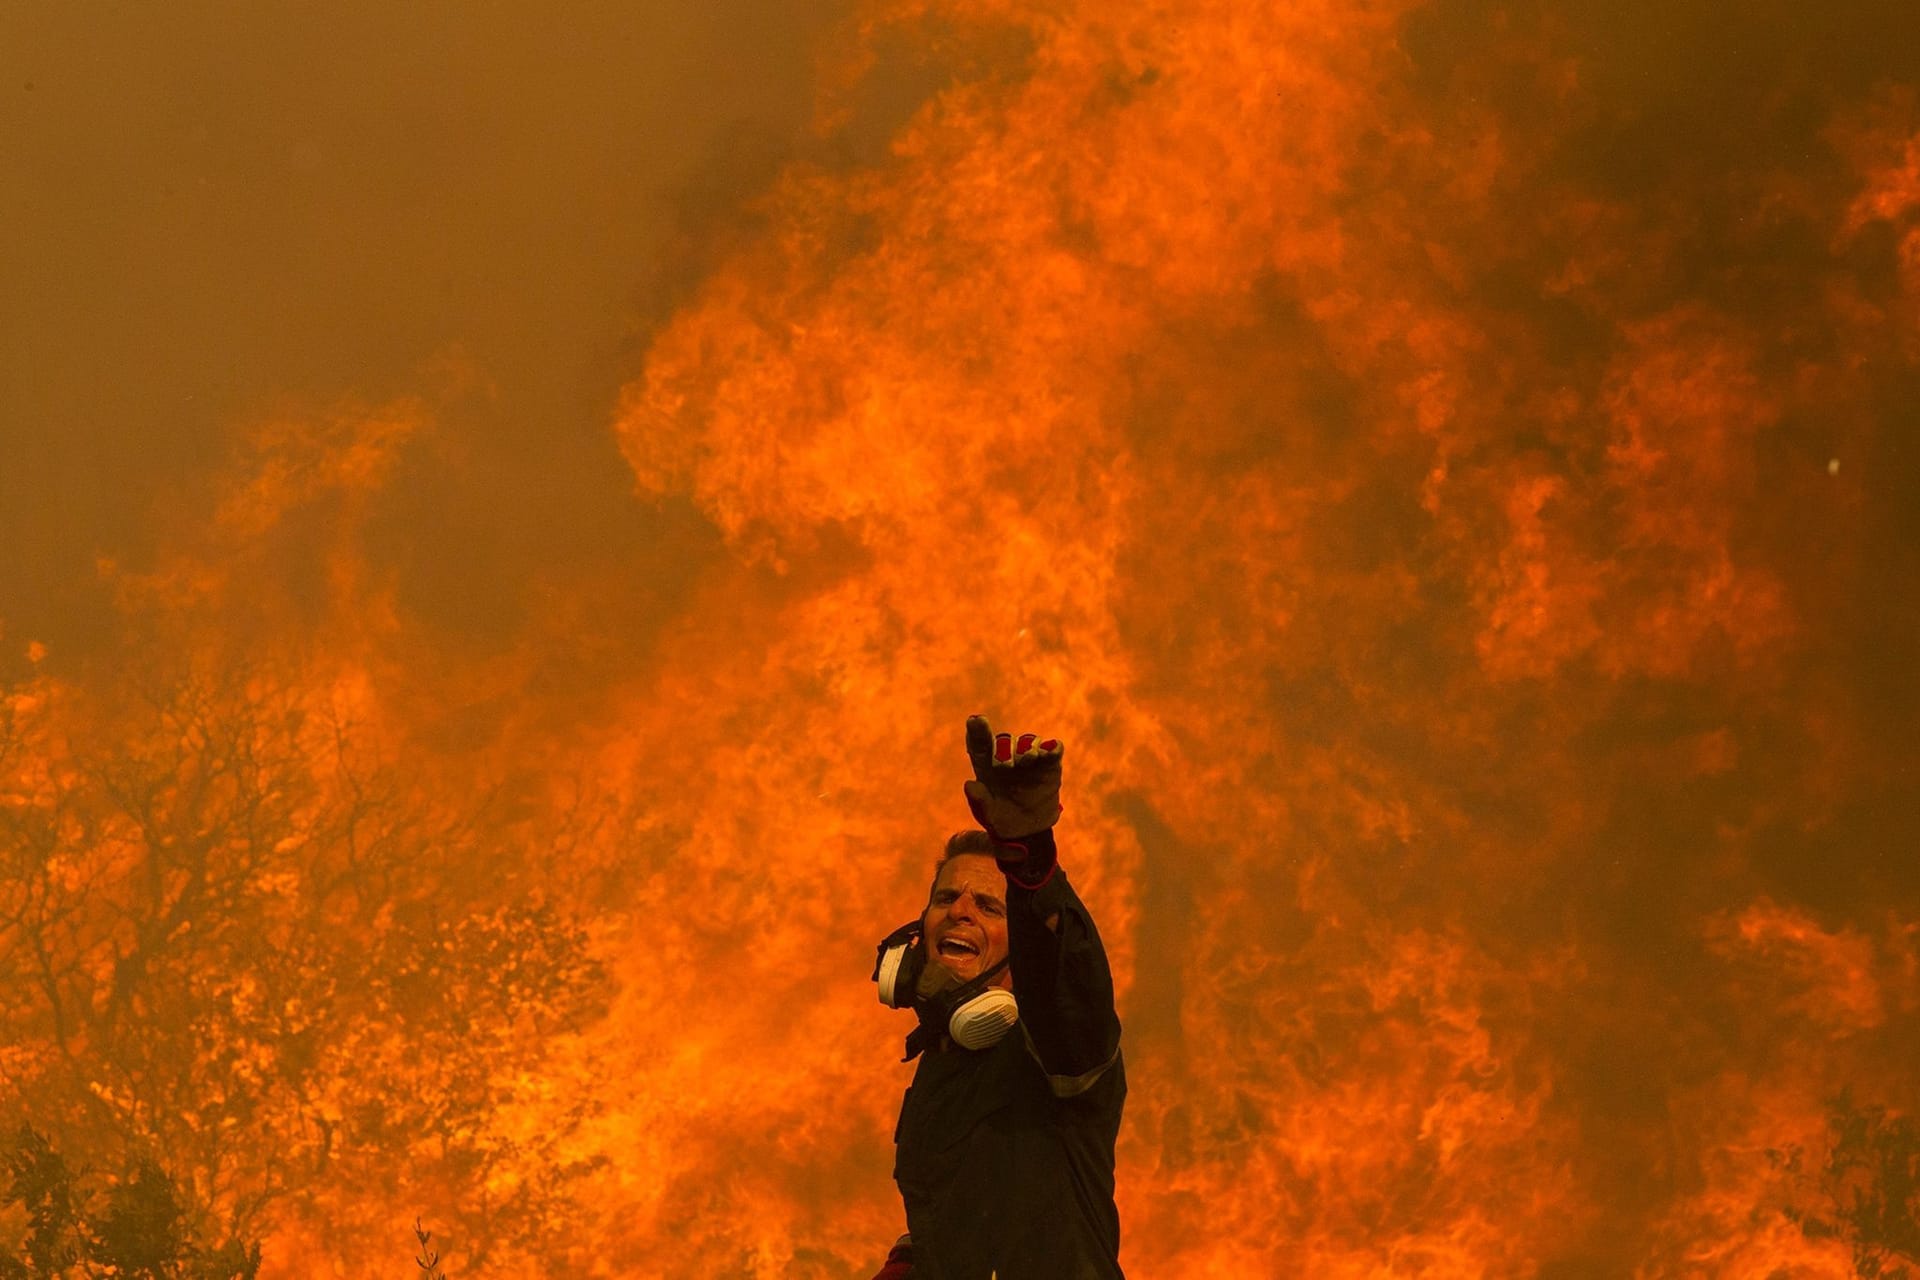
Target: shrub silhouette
{"points": [[141, 1231], [1868, 1190]]}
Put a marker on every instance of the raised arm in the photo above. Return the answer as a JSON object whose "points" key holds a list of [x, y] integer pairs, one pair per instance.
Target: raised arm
{"points": [[1060, 974]]}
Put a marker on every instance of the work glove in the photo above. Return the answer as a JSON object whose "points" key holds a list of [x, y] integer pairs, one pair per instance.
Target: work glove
{"points": [[1016, 788]]}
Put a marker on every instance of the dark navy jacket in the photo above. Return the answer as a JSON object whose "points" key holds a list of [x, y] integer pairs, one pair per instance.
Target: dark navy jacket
{"points": [[1004, 1156]]}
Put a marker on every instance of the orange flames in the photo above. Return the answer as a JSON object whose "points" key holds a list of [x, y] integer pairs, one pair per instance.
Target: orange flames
{"points": [[1466, 579]]}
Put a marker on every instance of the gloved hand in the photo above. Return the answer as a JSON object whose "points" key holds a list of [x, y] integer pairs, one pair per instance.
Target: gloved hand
{"points": [[1016, 788]]}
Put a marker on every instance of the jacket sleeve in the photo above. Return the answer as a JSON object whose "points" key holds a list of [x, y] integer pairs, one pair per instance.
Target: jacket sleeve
{"points": [[899, 1263], [1060, 974]]}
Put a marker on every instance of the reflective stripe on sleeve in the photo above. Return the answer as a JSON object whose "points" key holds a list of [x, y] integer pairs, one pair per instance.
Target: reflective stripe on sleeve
{"points": [[1070, 1086]]}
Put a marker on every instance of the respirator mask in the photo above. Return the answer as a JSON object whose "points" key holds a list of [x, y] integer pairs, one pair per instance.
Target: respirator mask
{"points": [[975, 1014]]}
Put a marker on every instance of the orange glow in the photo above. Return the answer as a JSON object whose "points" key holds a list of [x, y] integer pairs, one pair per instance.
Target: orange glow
{"points": [[1423, 539]]}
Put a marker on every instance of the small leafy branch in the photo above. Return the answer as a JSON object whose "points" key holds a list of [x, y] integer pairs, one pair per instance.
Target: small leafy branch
{"points": [[428, 1258]]}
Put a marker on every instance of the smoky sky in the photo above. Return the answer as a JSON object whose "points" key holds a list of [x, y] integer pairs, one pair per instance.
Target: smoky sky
{"points": [[218, 212], [215, 212]]}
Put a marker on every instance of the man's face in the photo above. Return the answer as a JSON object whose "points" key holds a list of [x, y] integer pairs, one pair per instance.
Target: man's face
{"points": [[966, 920]]}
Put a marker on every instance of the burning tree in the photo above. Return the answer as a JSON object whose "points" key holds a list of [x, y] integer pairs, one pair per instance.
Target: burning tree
{"points": [[237, 955]]}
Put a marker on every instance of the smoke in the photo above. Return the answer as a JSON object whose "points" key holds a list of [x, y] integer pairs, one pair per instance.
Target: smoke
{"points": [[1440, 468], [221, 215]]}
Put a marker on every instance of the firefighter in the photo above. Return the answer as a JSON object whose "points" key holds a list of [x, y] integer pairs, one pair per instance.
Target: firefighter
{"points": [[1004, 1148]]}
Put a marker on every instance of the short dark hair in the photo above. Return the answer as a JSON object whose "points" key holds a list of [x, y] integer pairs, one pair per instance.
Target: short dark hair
{"points": [[974, 841]]}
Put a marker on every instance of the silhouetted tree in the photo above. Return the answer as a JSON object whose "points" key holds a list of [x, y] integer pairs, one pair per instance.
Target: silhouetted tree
{"points": [[141, 1232], [1869, 1189], [39, 1182]]}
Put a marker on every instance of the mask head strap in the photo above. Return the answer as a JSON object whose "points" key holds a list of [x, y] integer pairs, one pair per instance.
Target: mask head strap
{"points": [[936, 1015], [897, 962]]}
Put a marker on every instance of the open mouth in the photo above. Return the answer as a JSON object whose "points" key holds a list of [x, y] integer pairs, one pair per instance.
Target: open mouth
{"points": [[959, 948]]}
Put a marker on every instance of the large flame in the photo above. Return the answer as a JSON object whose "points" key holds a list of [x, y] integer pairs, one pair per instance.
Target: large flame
{"points": [[1466, 561]]}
